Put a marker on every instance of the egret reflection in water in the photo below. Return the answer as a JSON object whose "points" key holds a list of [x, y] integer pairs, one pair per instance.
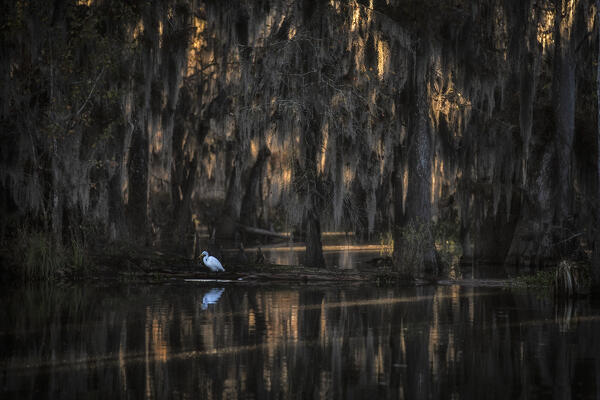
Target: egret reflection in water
{"points": [[212, 297]]}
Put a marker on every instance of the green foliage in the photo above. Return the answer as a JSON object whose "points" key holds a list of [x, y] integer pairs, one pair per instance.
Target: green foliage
{"points": [[446, 235], [415, 236], [41, 259], [386, 241], [541, 279], [567, 278], [36, 256], [79, 260]]}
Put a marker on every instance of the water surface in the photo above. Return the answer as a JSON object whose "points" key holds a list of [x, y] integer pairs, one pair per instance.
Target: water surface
{"points": [[201, 340]]}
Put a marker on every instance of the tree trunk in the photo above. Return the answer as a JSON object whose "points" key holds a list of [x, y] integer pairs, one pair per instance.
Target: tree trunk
{"points": [[531, 242], [359, 196], [314, 249], [183, 175], [137, 204], [308, 186], [117, 226], [526, 101], [182, 215], [563, 87], [596, 258], [57, 198], [548, 208], [416, 255], [253, 195], [495, 232], [398, 195], [230, 216]]}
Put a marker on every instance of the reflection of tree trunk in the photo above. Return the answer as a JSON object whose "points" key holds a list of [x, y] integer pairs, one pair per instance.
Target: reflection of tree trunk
{"points": [[417, 254], [253, 196], [561, 387], [417, 354]]}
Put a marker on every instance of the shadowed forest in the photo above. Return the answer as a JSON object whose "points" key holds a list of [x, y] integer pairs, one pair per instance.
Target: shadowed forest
{"points": [[471, 123]]}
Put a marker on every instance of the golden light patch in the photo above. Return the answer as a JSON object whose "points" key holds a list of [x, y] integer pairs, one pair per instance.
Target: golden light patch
{"points": [[383, 58], [323, 158], [254, 148], [286, 176], [198, 44], [292, 32], [138, 30], [348, 175], [545, 28], [251, 321], [355, 17], [157, 139]]}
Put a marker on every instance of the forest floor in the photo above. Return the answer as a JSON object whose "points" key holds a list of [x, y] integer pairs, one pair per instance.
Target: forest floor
{"points": [[126, 263], [158, 266]]}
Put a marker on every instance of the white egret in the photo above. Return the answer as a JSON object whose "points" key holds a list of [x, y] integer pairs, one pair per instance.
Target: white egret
{"points": [[212, 297], [212, 263]]}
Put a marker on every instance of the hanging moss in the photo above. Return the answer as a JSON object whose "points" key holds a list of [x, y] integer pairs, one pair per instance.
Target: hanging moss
{"points": [[124, 113]]}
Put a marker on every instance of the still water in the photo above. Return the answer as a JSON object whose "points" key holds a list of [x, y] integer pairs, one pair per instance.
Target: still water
{"points": [[191, 340]]}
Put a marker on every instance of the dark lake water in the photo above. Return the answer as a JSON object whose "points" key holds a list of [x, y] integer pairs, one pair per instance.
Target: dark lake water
{"points": [[191, 340]]}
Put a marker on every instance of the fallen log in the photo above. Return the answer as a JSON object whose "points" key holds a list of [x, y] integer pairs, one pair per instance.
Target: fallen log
{"points": [[264, 232]]}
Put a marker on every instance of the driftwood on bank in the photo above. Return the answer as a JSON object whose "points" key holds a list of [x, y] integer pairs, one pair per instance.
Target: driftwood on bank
{"points": [[264, 232]]}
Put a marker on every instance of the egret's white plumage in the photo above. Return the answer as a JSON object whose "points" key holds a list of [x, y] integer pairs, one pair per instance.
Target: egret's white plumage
{"points": [[212, 263], [212, 297]]}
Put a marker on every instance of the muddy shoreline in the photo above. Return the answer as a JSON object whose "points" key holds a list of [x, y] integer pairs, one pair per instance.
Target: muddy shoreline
{"points": [[159, 267]]}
